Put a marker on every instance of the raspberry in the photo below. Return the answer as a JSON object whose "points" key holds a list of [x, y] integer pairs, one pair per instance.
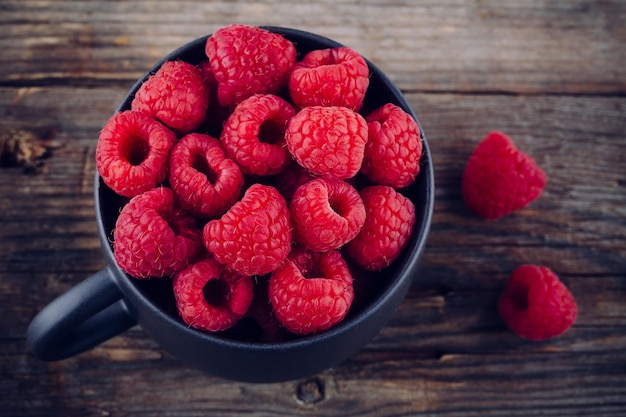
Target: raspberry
{"points": [[205, 182], [248, 60], [175, 95], [535, 304], [216, 114], [262, 313], [209, 297], [254, 134], [132, 153], [254, 236], [499, 178], [330, 77], [389, 221], [311, 291], [394, 147], [326, 214], [328, 141], [152, 237]]}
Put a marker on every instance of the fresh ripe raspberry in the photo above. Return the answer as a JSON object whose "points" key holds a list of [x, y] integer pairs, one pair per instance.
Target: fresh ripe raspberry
{"points": [[176, 95], [132, 153], [254, 134], [326, 214], [311, 292], [154, 238], [328, 141], [394, 147], [210, 297], [330, 77], [535, 304], [248, 60], [389, 220], [254, 236], [205, 181], [499, 178]]}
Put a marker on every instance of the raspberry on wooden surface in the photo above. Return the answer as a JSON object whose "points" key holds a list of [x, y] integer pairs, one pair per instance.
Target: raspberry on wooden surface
{"points": [[499, 178], [312, 291], [205, 181], [254, 236], [389, 221], [153, 237], [248, 60], [330, 77], [176, 95], [535, 304], [132, 153]]}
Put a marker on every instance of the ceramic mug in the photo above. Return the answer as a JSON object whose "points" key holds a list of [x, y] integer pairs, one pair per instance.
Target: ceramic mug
{"points": [[110, 302]]}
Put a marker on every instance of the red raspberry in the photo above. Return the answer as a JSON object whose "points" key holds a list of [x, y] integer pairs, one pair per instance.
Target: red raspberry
{"points": [[394, 147], [311, 292], [254, 236], [209, 297], [499, 178], [152, 237], [254, 134], [205, 182], [326, 214], [248, 60], [175, 95], [216, 114], [262, 313], [293, 176], [330, 77], [328, 141], [389, 221], [535, 304], [132, 153]]}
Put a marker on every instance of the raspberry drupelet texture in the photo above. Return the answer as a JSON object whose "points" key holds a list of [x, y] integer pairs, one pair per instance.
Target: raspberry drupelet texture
{"points": [[254, 236], [330, 77], [248, 60], [205, 181], [132, 153], [312, 291], [328, 141], [535, 304], [176, 95], [389, 222], [254, 134], [394, 147], [499, 178], [210, 297], [326, 214], [154, 238]]}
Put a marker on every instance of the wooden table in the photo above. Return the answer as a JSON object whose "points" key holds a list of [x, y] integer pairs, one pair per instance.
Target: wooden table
{"points": [[550, 74]]}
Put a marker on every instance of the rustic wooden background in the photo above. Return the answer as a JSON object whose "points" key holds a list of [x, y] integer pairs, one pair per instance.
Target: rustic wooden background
{"points": [[551, 74]]}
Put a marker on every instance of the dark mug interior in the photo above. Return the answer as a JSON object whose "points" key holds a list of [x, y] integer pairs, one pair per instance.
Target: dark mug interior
{"points": [[110, 301]]}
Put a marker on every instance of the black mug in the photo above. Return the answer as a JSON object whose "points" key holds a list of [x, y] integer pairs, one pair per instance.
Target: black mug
{"points": [[110, 302]]}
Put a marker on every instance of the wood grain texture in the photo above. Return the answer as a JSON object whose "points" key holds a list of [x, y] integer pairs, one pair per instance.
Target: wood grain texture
{"points": [[550, 74], [533, 46]]}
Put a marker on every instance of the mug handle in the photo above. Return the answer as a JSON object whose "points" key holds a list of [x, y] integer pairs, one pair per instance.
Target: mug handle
{"points": [[88, 314]]}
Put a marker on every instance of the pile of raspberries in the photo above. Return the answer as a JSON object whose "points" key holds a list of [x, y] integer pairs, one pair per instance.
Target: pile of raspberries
{"points": [[255, 182]]}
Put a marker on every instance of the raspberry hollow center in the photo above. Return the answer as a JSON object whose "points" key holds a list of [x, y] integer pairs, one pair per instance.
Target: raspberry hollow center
{"points": [[216, 292], [271, 132], [135, 150], [201, 165], [339, 204], [520, 299]]}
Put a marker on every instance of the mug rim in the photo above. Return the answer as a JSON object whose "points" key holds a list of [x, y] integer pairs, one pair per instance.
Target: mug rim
{"points": [[379, 301]]}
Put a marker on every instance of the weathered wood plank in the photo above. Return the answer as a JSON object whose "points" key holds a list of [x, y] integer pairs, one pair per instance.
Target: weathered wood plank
{"points": [[445, 352], [573, 47]]}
